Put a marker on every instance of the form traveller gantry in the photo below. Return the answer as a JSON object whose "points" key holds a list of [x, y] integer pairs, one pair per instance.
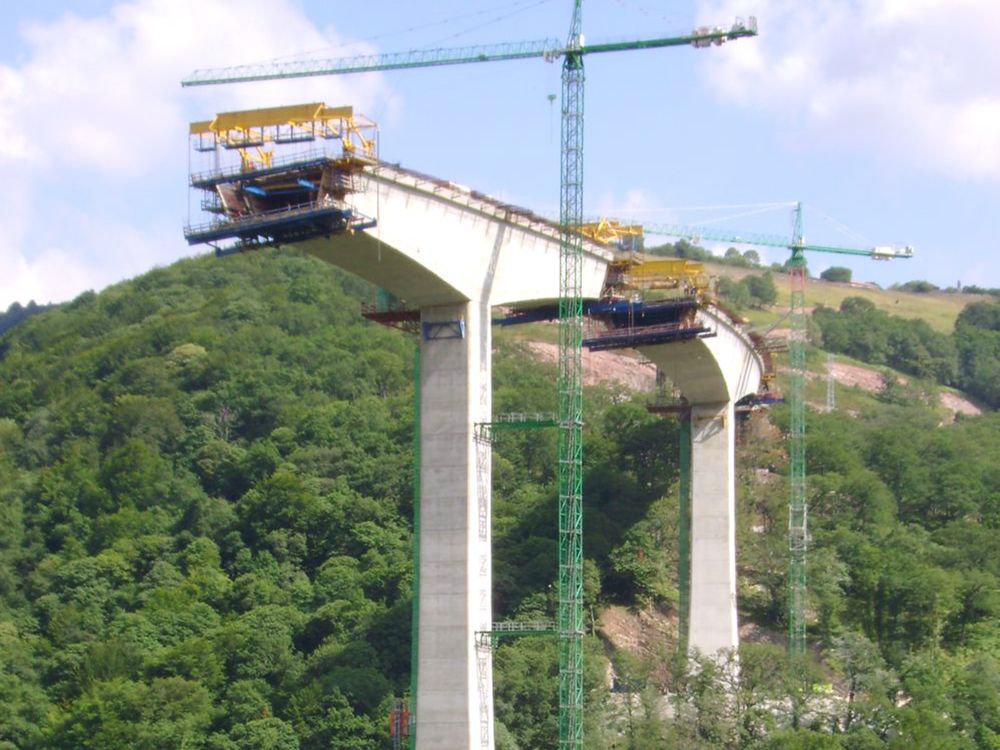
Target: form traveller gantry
{"points": [[257, 197]]}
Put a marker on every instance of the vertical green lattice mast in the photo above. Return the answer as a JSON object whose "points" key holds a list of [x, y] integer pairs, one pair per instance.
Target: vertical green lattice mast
{"points": [[797, 513], [570, 616]]}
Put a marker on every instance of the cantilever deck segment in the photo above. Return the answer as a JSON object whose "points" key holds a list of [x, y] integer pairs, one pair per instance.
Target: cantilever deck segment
{"points": [[723, 367], [436, 242]]}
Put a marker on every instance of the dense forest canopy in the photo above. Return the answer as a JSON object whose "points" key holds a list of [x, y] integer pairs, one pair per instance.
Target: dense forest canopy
{"points": [[205, 539], [18, 313]]}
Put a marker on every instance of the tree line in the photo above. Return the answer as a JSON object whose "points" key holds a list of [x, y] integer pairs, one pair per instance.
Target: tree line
{"points": [[206, 534]]}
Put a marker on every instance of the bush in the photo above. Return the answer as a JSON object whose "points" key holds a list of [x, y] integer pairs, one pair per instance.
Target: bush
{"points": [[836, 273]]}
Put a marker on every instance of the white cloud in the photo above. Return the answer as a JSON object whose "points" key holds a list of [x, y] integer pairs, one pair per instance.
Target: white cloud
{"points": [[634, 202], [911, 81], [51, 275], [94, 107], [104, 93], [82, 251]]}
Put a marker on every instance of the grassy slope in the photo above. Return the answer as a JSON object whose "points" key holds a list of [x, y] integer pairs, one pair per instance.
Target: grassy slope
{"points": [[938, 309]]}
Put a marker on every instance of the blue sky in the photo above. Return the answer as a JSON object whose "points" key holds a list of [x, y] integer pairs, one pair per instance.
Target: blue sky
{"points": [[881, 114]]}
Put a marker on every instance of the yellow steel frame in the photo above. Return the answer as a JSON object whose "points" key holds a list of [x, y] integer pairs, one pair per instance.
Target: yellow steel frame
{"points": [[636, 273], [671, 273], [252, 130], [607, 231]]}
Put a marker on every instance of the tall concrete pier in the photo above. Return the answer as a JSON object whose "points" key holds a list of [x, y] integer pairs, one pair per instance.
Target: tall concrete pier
{"points": [[453, 254], [712, 373], [713, 624], [455, 560]]}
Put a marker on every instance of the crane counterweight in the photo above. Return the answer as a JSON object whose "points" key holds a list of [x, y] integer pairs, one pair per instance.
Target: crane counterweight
{"points": [[888, 252]]}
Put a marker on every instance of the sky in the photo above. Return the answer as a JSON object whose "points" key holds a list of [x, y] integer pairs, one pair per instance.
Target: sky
{"points": [[881, 116]]}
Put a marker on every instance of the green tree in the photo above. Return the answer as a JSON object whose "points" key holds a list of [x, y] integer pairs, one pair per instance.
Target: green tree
{"points": [[26, 706], [871, 685], [733, 292], [977, 336], [761, 289], [264, 734], [836, 273]]}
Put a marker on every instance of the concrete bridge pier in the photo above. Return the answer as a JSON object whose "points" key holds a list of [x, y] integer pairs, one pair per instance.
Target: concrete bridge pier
{"points": [[452, 253], [713, 624], [454, 687], [712, 372]]}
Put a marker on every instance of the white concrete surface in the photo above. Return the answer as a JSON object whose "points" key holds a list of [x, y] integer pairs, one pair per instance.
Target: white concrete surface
{"points": [[437, 243], [712, 373], [713, 621], [455, 567], [722, 367]]}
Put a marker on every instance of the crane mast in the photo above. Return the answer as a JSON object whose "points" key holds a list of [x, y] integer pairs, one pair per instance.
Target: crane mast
{"points": [[570, 386], [798, 531]]}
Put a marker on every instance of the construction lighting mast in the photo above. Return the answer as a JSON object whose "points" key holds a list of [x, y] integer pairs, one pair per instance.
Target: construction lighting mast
{"points": [[570, 381], [798, 530]]}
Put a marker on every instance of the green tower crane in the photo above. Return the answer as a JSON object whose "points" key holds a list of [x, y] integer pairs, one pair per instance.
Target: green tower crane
{"points": [[570, 381], [798, 531]]}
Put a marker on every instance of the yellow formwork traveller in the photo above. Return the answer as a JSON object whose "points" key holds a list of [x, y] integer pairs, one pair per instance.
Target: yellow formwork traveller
{"points": [[667, 273], [635, 273], [252, 131], [608, 231]]}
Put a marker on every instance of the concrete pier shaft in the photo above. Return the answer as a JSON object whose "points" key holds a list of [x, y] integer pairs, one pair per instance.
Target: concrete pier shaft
{"points": [[452, 252], [712, 373], [454, 679], [713, 622]]}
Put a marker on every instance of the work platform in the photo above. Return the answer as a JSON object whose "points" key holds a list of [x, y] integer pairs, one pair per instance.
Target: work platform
{"points": [[280, 227], [267, 197], [636, 336], [633, 324]]}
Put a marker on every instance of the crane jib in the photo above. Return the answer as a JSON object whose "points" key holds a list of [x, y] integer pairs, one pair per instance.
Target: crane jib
{"points": [[549, 49]]}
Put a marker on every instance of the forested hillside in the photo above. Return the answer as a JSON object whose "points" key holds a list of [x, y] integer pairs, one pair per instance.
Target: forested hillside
{"points": [[969, 357], [205, 541], [18, 313]]}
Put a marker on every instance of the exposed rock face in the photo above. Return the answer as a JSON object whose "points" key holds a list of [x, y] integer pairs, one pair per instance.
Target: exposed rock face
{"points": [[605, 367]]}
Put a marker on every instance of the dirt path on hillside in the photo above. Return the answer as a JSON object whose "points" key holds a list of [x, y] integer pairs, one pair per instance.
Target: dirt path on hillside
{"points": [[861, 377], [959, 405]]}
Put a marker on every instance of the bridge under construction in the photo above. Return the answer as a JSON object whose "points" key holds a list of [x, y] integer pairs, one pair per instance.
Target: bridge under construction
{"points": [[451, 256]]}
